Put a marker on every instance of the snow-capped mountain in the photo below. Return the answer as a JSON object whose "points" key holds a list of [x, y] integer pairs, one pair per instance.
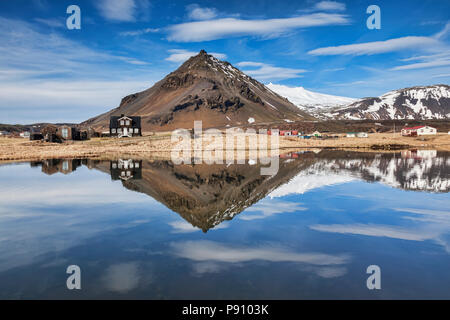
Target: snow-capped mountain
{"points": [[420, 103], [309, 101]]}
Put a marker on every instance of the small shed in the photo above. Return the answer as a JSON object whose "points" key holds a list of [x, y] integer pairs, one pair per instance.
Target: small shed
{"points": [[362, 135]]}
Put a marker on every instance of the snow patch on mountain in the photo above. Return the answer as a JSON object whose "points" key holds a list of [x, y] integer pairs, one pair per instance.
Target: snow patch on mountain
{"points": [[308, 100]]}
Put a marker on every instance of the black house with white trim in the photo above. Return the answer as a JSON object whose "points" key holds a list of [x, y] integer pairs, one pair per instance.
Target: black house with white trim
{"points": [[125, 126]]}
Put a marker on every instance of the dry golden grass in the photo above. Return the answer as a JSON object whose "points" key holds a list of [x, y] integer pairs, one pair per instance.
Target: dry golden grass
{"points": [[160, 146]]}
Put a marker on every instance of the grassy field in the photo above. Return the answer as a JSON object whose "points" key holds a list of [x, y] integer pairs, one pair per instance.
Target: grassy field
{"points": [[160, 146]]}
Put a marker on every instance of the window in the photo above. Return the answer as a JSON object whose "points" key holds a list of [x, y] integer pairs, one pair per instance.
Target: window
{"points": [[122, 123], [114, 165], [65, 133], [65, 165], [113, 130], [128, 122], [136, 165], [119, 130], [136, 130]]}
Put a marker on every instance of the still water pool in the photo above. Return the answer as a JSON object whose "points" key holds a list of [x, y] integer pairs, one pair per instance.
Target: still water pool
{"points": [[149, 229]]}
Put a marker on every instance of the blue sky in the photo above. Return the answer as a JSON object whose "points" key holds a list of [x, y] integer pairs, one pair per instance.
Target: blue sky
{"points": [[50, 73]]}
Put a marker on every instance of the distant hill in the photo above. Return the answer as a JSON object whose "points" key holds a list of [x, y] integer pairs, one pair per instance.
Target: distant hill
{"points": [[415, 103], [204, 88]]}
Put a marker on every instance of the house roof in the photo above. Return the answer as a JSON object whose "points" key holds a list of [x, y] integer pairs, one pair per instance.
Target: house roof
{"points": [[113, 122], [413, 128]]}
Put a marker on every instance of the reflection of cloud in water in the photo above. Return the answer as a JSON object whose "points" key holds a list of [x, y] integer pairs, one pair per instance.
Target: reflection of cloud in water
{"points": [[331, 272], [213, 251], [122, 277], [268, 208], [375, 231], [429, 225], [182, 226], [40, 214]]}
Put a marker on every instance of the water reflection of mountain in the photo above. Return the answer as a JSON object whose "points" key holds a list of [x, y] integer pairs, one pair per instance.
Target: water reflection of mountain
{"points": [[417, 170], [206, 195]]}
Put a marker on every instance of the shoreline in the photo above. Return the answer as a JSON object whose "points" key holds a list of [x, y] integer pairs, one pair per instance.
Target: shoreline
{"points": [[160, 146]]}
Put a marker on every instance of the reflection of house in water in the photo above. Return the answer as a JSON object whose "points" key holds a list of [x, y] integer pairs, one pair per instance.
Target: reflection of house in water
{"points": [[126, 169], [419, 154], [64, 166]]}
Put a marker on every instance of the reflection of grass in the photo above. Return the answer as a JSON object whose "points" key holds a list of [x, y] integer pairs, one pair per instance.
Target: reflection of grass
{"points": [[160, 145]]}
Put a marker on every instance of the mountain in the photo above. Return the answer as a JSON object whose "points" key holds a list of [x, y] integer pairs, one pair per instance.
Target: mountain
{"points": [[203, 88], [419, 103], [309, 101]]}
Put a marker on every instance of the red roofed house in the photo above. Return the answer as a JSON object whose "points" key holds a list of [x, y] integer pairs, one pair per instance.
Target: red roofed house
{"points": [[418, 131]]}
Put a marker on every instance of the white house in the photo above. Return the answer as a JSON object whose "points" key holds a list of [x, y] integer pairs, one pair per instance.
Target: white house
{"points": [[418, 131]]}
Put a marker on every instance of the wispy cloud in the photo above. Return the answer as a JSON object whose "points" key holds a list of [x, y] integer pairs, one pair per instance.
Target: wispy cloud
{"points": [[376, 47], [47, 70], [263, 71], [444, 32], [195, 12], [330, 6], [427, 61], [231, 27], [139, 32], [121, 10], [398, 44], [181, 55], [51, 22]]}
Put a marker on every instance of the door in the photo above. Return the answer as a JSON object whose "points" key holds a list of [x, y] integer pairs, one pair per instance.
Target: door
{"points": [[125, 132]]}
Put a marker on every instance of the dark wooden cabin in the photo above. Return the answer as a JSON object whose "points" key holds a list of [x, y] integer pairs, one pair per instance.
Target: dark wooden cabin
{"points": [[125, 126]]}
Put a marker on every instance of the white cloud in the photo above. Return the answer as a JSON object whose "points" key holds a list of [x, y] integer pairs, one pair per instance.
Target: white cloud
{"points": [[121, 10], [330, 6], [423, 65], [139, 32], [369, 48], [430, 61], [231, 27], [195, 12], [213, 251], [264, 72], [181, 55], [53, 23]]}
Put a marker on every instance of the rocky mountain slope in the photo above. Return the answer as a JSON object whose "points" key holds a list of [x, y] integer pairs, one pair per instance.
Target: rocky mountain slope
{"points": [[419, 103], [204, 88]]}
